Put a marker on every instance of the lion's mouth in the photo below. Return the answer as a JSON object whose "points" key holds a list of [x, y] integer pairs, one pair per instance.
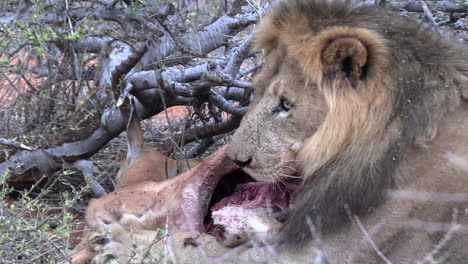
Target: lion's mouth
{"points": [[232, 204], [220, 198], [243, 209], [240, 189]]}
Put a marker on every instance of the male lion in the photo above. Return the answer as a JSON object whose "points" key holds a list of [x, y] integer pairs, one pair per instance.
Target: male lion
{"points": [[371, 105]]}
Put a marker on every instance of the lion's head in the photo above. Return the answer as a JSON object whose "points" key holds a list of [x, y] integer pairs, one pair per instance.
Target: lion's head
{"points": [[348, 89]]}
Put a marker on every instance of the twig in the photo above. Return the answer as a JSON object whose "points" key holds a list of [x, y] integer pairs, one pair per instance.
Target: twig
{"points": [[434, 227], [367, 236], [430, 257], [248, 70], [428, 13], [177, 41], [429, 196], [14, 144]]}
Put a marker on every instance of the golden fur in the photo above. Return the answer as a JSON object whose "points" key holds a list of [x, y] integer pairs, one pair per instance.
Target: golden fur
{"points": [[145, 193], [143, 163], [366, 90]]}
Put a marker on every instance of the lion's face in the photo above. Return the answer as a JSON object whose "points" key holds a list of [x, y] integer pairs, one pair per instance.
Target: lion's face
{"points": [[283, 113], [318, 87]]}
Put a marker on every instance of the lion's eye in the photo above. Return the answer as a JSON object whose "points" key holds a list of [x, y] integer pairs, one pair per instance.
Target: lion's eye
{"points": [[284, 106]]}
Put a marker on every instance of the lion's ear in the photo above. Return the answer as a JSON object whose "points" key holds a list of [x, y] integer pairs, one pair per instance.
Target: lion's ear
{"points": [[347, 56]]}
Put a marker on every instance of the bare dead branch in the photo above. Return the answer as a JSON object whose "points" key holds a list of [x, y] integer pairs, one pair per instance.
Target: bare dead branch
{"points": [[225, 105], [248, 70], [125, 66], [234, 64], [92, 44], [205, 41], [442, 6], [14, 144], [178, 42], [200, 132], [199, 148], [428, 14], [89, 170]]}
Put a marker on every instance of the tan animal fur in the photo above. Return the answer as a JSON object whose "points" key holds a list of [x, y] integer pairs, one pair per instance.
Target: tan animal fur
{"points": [[143, 163], [146, 190], [372, 103]]}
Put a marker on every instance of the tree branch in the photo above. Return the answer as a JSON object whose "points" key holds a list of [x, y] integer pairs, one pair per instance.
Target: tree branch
{"points": [[89, 170], [442, 6]]}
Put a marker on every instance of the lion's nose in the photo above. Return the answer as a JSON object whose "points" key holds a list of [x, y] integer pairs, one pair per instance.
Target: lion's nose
{"points": [[239, 155], [242, 160]]}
